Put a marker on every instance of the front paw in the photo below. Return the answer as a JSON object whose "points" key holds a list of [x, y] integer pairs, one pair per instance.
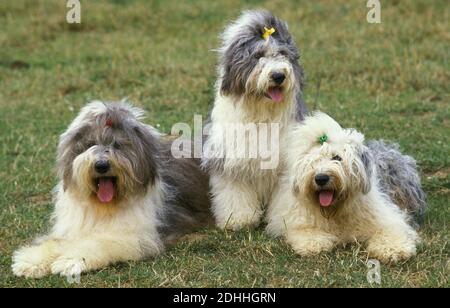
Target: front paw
{"points": [[31, 262], [311, 244], [393, 247], [387, 253], [238, 221], [69, 267]]}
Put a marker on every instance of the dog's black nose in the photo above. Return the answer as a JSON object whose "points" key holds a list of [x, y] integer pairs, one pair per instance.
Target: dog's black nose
{"points": [[322, 179], [102, 166], [278, 78]]}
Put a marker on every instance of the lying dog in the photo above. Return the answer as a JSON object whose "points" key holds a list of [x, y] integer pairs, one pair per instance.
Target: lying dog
{"points": [[121, 195], [334, 192]]}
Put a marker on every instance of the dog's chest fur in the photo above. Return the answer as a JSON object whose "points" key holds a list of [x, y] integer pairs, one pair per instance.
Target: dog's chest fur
{"points": [[228, 111]]}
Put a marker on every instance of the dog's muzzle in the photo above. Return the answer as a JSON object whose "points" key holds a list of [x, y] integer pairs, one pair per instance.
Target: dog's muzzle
{"points": [[102, 166], [276, 90], [322, 179], [324, 193], [278, 78], [105, 183]]}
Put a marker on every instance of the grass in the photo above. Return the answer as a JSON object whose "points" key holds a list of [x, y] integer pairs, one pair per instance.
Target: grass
{"points": [[389, 80]]}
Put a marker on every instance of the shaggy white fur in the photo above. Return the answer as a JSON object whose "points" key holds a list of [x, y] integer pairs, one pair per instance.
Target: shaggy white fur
{"points": [[330, 195], [86, 237], [121, 195], [241, 189], [249, 90]]}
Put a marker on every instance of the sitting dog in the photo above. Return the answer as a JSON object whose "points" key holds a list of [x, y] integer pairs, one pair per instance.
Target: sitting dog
{"points": [[260, 82], [121, 195], [334, 192]]}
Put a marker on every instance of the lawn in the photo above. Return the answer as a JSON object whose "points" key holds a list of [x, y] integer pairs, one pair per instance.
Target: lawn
{"points": [[389, 80]]}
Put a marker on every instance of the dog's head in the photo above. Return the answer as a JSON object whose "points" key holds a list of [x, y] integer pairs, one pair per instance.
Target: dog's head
{"points": [[107, 154], [259, 59], [328, 164]]}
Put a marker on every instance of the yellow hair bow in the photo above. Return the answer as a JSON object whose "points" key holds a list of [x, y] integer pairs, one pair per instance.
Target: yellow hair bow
{"points": [[267, 33]]}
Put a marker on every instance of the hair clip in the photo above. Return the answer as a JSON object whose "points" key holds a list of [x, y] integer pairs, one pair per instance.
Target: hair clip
{"points": [[323, 139], [267, 33]]}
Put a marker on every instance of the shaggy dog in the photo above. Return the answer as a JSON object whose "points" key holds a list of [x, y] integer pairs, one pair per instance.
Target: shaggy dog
{"points": [[334, 191], [259, 81], [121, 195]]}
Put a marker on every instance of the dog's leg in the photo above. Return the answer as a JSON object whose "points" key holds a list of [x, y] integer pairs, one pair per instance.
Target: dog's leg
{"points": [[235, 204], [393, 243], [34, 261], [308, 241], [97, 251], [391, 238]]}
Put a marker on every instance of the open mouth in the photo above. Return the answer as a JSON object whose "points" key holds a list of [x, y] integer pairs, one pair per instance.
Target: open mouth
{"points": [[326, 197], [106, 188], [275, 94]]}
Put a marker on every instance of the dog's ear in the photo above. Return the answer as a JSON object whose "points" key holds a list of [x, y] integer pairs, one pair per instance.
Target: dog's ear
{"points": [[238, 61], [301, 109], [367, 163], [232, 82], [70, 145], [147, 150]]}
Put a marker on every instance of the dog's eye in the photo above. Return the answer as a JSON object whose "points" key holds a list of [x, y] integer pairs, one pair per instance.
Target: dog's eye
{"points": [[337, 157]]}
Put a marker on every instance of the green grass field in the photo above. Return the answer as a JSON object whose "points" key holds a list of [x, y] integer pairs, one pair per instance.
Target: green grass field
{"points": [[389, 80]]}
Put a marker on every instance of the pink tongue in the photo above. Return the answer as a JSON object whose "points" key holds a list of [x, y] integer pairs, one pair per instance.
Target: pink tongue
{"points": [[276, 94], [325, 198], [105, 191]]}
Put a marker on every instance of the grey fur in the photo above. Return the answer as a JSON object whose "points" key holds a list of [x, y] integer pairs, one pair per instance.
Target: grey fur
{"points": [[399, 178], [187, 199], [367, 160], [128, 138], [186, 193], [241, 55], [239, 58]]}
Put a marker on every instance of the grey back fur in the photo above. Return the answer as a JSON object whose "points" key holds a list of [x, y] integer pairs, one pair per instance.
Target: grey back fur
{"points": [[399, 178], [186, 186], [187, 203]]}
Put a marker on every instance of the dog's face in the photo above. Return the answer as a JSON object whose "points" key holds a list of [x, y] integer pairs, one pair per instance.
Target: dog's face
{"points": [[107, 154], [262, 70], [329, 172]]}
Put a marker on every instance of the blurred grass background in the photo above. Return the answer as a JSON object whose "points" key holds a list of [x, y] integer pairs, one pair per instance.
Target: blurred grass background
{"points": [[389, 80]]}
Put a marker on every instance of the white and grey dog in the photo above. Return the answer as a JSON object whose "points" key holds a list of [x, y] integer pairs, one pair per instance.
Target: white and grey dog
{"points": [[121, 195], [259, 81], [337, 190]]}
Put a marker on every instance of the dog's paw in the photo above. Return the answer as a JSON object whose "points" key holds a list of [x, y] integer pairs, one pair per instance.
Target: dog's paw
{"points": [[69, 267], [30, 262], [393, 246], [238, 218], [238, 221], [311, 248], [388, 253], [309, 244]]}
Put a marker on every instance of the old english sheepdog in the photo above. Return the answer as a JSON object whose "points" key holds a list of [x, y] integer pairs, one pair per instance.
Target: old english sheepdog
{"points": [[337, 190], [260, 81], [121, 195]]}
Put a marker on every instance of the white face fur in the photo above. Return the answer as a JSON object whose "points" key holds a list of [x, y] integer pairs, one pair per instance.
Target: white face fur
{"points": [[326, 173], [262, 82], [256, 67], [107, 154]]}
